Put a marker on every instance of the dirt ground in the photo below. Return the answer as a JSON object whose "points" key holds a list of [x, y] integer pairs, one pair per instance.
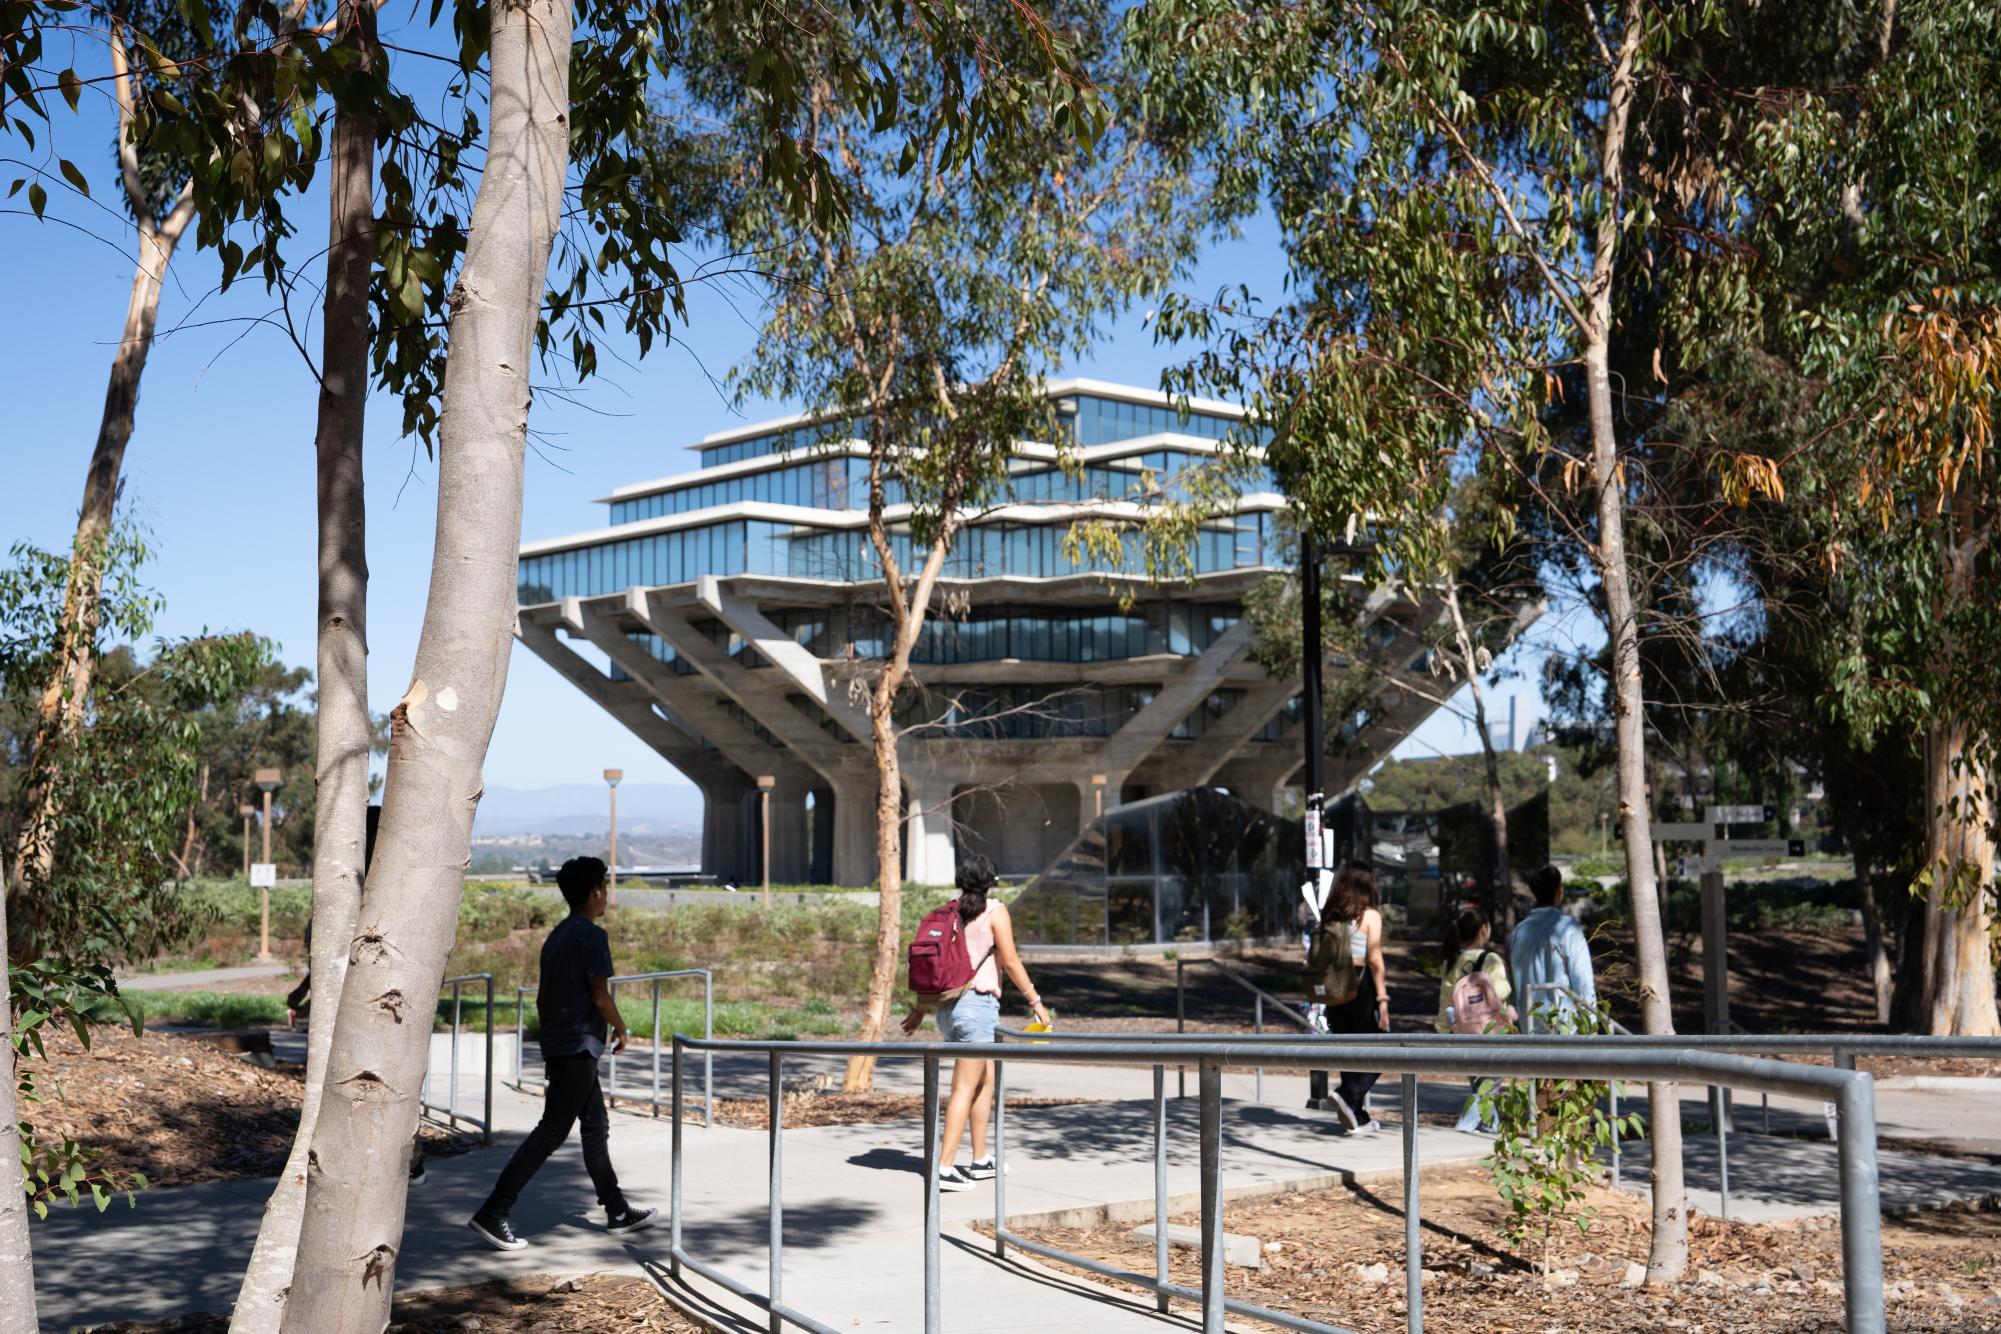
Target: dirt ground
{"points": [[1337, 1256], [533, 1304], [176, 1109]]}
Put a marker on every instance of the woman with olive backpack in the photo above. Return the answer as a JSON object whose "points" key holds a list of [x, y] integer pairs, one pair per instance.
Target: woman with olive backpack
{"points": [[1345, 972]]}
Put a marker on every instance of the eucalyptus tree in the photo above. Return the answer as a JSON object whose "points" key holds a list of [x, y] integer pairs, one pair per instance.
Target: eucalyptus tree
{"points": [[1463, 188], [1886, 258], [925, 317]]}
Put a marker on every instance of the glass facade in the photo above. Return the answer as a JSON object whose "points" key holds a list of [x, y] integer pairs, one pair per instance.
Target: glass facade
{"points": [[1198, 865], [1101, 421], [783, 441], [740, 546]]}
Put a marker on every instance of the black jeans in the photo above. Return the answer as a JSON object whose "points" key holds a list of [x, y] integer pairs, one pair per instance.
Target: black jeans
{"points": [[572, 1095], [1357, 1015]]}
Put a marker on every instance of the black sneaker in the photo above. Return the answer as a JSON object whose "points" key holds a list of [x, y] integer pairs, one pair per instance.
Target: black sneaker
{"points": [[629, 1220], [980, 1169], [496, 1231], [953, 1179], [418, 1176]]}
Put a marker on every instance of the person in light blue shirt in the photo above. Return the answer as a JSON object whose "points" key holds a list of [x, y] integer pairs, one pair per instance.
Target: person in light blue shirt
{"points": [[1548, 949]]}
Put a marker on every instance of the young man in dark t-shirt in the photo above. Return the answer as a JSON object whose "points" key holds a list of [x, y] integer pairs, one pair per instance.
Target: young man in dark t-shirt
{"points": [[578, 1019]]}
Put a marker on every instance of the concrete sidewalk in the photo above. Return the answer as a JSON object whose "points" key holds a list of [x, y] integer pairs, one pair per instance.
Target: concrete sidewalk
{"points": [[854, 1198], [195, 979]]}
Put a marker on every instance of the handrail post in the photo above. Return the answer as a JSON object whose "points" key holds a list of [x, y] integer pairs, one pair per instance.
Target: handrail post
{"points": [[656, 1046], [1413, 1241], [1210, 1076], [1861, 1216], [1717, 1123], [1180, 1020], [1258, 1027], [1160, 1188], [674, 1174], [1614, 1086], [775, 1255], [708, 1057], [486, 1129], [520, 1036], [611, 1073], [452, 1099], [1000, 1160], [932, 1166]]}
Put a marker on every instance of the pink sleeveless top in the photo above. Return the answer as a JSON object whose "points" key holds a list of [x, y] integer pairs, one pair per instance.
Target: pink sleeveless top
{"points": [[980, 946]]}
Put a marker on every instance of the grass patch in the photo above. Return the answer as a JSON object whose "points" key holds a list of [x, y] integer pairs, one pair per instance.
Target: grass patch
{"points": [[733, 1019], [210, 1009]]}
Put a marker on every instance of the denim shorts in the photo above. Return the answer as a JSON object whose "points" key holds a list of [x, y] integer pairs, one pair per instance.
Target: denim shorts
{"points": [[971, 1018]]}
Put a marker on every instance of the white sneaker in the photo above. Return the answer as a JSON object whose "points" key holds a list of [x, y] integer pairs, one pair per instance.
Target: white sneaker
{"points": [[980, 1169], [1341, 1109], [953, 1179]]}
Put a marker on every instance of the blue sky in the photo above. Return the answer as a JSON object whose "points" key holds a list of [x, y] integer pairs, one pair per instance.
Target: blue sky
{"points": [[220, 468]]}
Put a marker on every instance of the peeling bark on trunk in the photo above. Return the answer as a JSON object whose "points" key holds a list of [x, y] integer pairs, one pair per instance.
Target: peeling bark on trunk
{"points": [[357, 1175], [60, 710], [1956, 977], [341, 727], [17, 1265], [1668, 1257]]}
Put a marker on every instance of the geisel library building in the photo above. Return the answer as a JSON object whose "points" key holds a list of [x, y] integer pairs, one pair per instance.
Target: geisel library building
{"points": [[729, 608]]}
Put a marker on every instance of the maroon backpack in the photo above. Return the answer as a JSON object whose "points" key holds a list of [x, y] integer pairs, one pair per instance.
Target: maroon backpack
{"points": [[941, 967]]}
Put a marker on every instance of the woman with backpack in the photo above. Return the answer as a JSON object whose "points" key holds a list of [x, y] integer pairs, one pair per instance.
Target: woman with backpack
{"points": [[1345, 972], [1473, 992], [969, 1009]]}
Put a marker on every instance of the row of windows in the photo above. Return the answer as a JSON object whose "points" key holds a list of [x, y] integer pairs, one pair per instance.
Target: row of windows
{"points": [[783, 441], [842, 484]]}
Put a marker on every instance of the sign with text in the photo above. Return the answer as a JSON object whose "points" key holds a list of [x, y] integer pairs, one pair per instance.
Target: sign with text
{"points": [[1691, 831], [1688, 868], [263, 875], [1741, 814], [1758, 847]]}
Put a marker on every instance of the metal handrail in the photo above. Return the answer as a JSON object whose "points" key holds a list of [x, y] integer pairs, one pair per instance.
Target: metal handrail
{"points": [[611, 1077], [1861, 1227], [1258, 1015], [451, 1107]]}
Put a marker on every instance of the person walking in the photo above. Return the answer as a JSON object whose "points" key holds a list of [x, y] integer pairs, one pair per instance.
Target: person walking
{"points": [[1551, 958], [972, 1017], [1346, 970], [573, 1003], [1473, 993]]}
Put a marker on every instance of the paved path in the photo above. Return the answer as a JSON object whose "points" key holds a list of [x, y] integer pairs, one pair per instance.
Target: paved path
{"points": [[853, 1200], [201, 977]]}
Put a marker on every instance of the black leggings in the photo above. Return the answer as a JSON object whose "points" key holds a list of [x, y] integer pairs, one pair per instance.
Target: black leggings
{"points": [[572, 1096], [1355, 1015]]}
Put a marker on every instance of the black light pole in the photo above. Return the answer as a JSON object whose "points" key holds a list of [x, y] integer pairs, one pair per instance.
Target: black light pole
{"points": [[1316, 740]]}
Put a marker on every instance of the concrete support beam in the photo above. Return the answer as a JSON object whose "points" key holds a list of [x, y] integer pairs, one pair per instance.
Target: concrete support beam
{"points": [[929, 856], [805, 671], [1125, 749], [854, 836], [1197, 761]]}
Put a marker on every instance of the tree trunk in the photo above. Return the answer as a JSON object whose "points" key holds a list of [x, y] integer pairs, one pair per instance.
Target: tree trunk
{"points": [[1956, 978], [60, 710], [1502, 894], [1872, 939], [17, 1264], [341, 729], [860, 1074], [357, 1175]]}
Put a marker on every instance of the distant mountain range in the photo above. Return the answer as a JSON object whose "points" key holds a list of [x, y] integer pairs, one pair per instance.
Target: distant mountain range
{"points": [[584, 808]]}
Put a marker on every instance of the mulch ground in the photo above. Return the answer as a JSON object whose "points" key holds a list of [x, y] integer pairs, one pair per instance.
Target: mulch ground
{"points": [[174, 1108], [1337, 1256], [533, 1304]]}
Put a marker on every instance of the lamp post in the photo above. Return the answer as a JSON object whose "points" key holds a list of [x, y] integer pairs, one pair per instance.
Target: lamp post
{"points": [[266, 779], [246, 811], [611, 777], [765, 782]]}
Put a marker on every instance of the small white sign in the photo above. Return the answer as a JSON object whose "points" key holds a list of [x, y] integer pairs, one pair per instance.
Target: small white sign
{"points": [[1739, 814], [1688, 868], [263, 875], [1693, 831], [1752, 847]]}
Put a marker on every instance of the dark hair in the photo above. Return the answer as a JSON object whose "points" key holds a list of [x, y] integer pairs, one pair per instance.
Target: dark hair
{"points": [[1546, 883], [975, 878], [1354, 892], [579, 879], [1463, 928]]}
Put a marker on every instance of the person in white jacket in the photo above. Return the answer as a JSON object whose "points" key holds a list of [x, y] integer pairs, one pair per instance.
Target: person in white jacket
{"points": [[1551, 957]]}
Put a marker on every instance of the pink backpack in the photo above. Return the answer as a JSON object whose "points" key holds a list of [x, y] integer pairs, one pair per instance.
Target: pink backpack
{"points": [[940, 966], [1476, 1002]]}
